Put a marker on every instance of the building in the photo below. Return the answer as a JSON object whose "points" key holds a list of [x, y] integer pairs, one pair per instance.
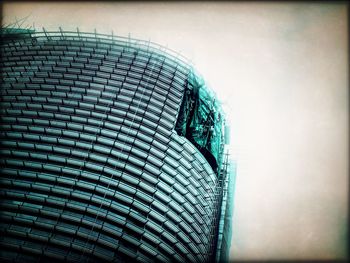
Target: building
{"points": [[111, 150]]}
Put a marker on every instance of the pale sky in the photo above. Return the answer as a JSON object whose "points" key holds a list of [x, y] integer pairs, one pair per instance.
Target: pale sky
{"points": [[281, 71]]}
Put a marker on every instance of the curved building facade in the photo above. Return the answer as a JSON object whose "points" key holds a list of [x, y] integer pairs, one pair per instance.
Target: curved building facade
{"points": [[111, 150]]}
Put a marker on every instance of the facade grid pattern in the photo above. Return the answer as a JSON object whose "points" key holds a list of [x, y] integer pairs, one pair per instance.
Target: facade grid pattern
{"points": [[92, 167]]}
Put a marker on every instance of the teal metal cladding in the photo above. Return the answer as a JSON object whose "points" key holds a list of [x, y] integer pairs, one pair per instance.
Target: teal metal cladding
{"points": [[92, 169]]}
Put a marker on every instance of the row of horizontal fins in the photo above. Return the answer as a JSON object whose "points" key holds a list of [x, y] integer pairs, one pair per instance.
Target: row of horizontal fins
{"points": [[92, 167]]}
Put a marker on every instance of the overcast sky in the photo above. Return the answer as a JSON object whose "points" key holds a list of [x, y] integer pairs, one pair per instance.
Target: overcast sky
{"points": [[281, 71]]}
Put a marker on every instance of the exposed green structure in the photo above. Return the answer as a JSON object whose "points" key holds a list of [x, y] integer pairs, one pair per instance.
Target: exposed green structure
{"points": [[201, 120]]}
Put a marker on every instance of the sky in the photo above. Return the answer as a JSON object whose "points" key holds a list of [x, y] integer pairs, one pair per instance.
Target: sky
{"points": [[280, 70]]}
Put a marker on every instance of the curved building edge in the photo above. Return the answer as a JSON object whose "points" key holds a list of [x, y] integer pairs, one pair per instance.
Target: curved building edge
{"points": [[82, 171]]}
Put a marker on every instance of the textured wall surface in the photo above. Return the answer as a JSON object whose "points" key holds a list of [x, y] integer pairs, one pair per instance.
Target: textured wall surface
{"points": [[92, 167]]}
